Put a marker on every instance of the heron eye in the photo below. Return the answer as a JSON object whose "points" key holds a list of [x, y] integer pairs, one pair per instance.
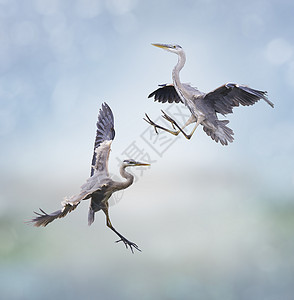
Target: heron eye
{"points": [[175, 47]]}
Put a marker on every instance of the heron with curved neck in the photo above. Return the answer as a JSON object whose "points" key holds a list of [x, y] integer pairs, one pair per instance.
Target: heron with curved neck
{"points": [[203, 107], [99, 187]]}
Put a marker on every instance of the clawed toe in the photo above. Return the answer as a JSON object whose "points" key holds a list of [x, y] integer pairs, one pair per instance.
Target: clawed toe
{"points": [[129, 244], [168, 118], [149, 121]]}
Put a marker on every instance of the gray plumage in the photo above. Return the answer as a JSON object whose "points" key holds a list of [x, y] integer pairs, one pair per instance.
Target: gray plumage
{"points": [[105, 132], [203, 106], [99, 186]]}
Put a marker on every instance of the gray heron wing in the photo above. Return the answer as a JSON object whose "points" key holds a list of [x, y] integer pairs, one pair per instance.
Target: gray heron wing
{"points": [[69, 204], [230, 95], [166, 93], [104, 136], [43, 219]]}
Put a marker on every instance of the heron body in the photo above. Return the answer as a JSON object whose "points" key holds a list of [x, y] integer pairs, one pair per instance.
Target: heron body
{"points": [[99, 187], [203, 106]]}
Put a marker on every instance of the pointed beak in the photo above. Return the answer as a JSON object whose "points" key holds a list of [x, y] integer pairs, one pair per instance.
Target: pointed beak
{"points": [[163, 46], [141, 164]]}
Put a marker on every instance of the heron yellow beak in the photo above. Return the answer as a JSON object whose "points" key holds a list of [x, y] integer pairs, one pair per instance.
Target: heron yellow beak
{"points": [[163, 46], [142, 164]]}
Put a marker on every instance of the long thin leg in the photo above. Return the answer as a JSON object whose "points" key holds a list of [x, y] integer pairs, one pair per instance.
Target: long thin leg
{"points": [[149, 121], [174, 124], [191, 120], [122, 238]]}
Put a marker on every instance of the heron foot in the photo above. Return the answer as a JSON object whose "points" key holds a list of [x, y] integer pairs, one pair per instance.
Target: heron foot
{"points": [[128, 244], [149, 121], [169, 119], [176, 126]]}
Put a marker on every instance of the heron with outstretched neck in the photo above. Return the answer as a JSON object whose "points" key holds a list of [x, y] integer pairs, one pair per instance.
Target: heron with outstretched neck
{"points": [[99, 186], [203, 106]]}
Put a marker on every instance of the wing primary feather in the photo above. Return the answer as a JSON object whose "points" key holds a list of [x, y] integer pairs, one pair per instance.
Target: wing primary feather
{"points": [[105, 132], [166, 93], [230, 95], [43, 219]]}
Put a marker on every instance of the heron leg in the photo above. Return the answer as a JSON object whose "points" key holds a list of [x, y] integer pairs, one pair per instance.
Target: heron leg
{"points": [[190, 120], [149, 121], [200, 119], [122, 238]]}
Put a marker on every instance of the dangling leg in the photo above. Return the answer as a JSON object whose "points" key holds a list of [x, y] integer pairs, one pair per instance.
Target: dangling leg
{"points": [[149, 121], [192, 119], [122, 238]]}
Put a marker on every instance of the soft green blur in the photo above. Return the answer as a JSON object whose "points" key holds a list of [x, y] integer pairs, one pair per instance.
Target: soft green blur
{"points": [[213, 222]]}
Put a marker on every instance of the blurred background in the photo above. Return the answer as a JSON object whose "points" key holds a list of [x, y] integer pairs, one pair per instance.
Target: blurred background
{"points": [[213, 222]]}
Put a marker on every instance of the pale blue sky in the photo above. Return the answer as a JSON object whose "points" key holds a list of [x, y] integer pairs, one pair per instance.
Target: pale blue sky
{"points": [[59, 60]]}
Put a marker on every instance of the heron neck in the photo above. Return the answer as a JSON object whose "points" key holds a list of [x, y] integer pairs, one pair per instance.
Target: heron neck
{"points": [[176, 72], [129, 178]]}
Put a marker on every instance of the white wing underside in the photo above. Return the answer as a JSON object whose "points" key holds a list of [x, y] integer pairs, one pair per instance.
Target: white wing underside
{"points": [[102, 156]]}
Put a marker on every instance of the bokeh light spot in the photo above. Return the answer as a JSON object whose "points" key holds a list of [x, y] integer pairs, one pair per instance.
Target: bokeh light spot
{"points": [[120, 7], [253, 26], [87, 8], [24, 33], [290, 74], [279, 51], [47, 7], [125, 23], [7, 122], [93, 47]]}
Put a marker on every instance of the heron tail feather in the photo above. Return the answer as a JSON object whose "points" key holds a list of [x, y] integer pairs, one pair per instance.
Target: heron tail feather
{"points": [[91, 216], [222, 133]]}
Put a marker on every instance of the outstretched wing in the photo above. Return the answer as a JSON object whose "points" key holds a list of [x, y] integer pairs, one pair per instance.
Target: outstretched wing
{"points": [[104, 136], [230, 95], [166, 93], [43, 219], [70, 203]]}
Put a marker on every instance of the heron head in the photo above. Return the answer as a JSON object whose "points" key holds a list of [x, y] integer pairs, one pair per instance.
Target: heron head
{"points": [[133, 163], [174, 48]]}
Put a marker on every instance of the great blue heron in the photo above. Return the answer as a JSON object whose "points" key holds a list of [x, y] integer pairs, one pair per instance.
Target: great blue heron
{"points": [[203, 106], [99, 186]]}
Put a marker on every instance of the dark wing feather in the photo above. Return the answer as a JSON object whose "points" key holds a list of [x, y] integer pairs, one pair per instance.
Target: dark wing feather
{"points": [[166, 93], [230, 95], [43, 219], [105, 132]]}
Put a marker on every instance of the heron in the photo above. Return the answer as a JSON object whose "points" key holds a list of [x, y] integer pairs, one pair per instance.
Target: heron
{"points": [[203, 106], [99, 186]]}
